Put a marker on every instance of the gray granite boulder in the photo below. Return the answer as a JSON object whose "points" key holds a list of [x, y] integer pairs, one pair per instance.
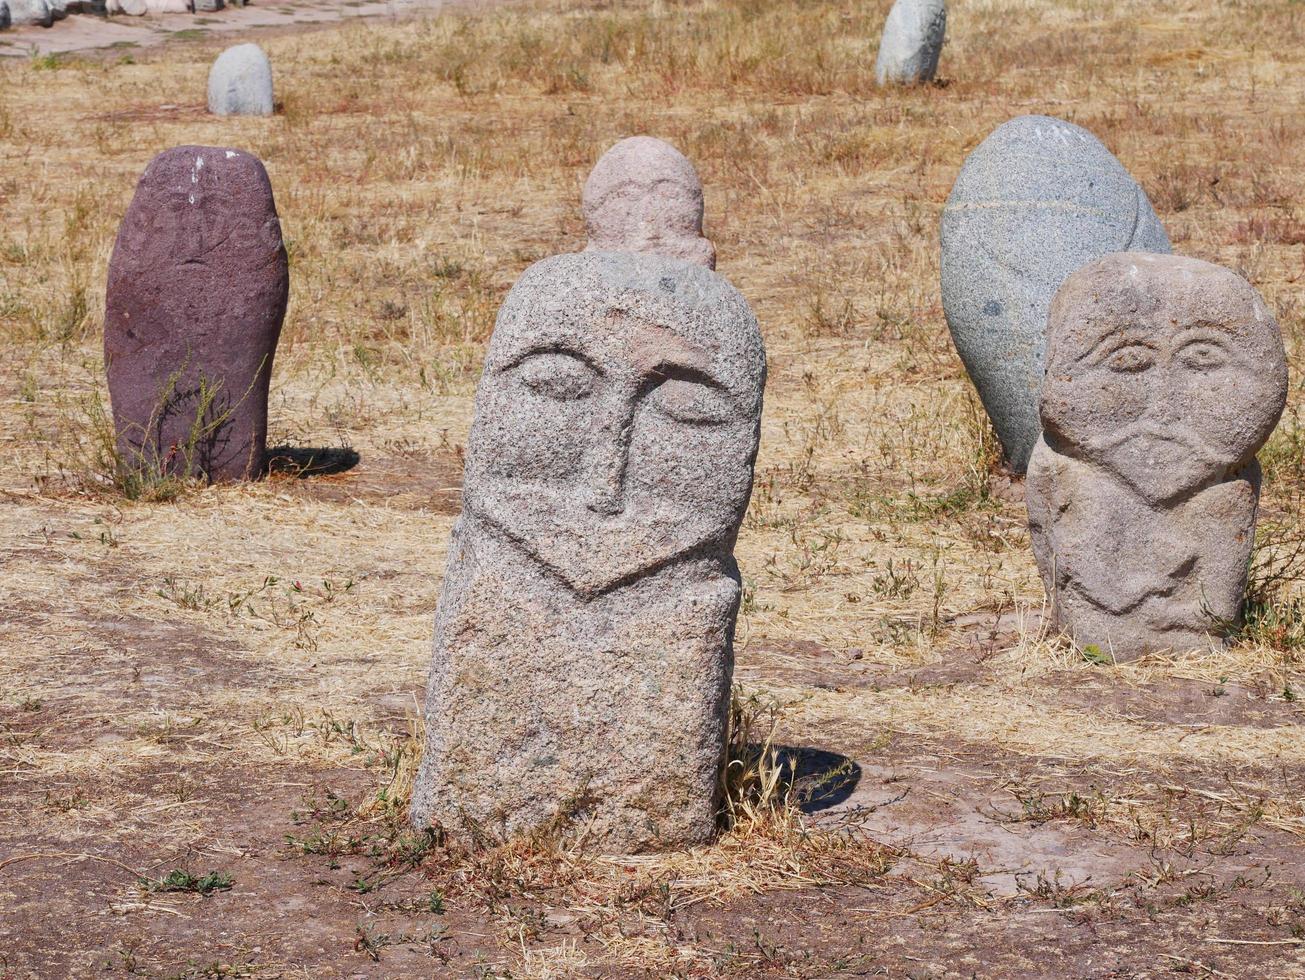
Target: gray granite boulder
{"points": [[197, 290], [644, 195], [240, 83], [30, 13], [1034, 201], [1165, 375], [583, 642], [912, 42]]}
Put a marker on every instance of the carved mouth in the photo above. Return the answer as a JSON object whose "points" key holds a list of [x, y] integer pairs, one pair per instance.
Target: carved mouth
{"points": [[1161, 462], [593, 553]]}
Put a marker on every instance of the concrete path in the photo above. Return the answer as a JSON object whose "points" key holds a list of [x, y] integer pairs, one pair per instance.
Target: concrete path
{"points": [[83, 32]]}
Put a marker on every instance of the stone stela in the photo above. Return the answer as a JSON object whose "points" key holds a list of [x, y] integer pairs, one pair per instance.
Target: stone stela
{"points": [[1165, 375], [583, 642], [240, 83], [912, 42], [644, 195], [197, 290], [1036, 200]]}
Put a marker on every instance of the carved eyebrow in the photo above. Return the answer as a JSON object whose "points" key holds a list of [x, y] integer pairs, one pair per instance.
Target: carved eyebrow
{"points": [[550, 347], [1112, 342], [1206, 332], [670, 370]]}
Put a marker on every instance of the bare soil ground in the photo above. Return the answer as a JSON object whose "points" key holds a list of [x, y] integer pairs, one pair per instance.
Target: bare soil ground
{"points": [[208, 696]]}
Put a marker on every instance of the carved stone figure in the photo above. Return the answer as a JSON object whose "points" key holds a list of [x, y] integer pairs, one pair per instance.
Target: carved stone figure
{"points": [[1036, 200], [197, 290], [912, 42], [1165, 375], [643, 195], [583, 643]]}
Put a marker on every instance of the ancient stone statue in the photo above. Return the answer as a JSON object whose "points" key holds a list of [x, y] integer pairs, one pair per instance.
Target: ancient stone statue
{"points": [[583, 643], [1036, 200], [197, 290], [643, 195], [1164, 377]]}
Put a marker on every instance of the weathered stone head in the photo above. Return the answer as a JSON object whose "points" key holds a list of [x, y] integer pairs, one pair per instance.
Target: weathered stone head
{"points": [[1166, 371], [583, 643], [197, 291], [644, 195], [617, 419], [1164, 377]]}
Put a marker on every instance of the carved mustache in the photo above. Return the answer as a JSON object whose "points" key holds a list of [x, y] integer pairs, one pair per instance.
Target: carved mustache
{"points": [[1175, 433]]}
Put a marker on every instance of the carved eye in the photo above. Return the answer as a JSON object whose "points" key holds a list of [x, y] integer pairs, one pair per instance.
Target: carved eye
{"points": [[1130, 359], [558, 375], [692, 399], [1202, 355]]}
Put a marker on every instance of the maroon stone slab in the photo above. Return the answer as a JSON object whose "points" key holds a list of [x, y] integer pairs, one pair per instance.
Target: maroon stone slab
{"points": [[197, 291]]}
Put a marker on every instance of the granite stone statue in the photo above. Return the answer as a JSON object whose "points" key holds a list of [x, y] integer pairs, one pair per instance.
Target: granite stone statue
{"points": [[583, 641], [1036, 200], [644, 195], [1165, 375], [197, 290]]}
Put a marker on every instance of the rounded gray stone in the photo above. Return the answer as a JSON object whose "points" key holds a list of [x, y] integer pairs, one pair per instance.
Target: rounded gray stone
{"points": [[240, 83], [1035, 201], [583, 641], [912, 42], [1165, 375], [30, 13]]}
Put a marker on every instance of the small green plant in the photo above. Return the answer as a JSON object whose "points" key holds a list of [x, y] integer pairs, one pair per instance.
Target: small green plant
{"points": [[180, 880], [1093, 653]]}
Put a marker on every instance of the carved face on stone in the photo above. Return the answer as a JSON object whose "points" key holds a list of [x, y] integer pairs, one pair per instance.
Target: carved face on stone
{"points": [[644, 195], [1167, 371], [617, 419]]}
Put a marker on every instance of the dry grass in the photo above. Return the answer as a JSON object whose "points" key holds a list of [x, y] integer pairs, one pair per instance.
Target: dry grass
{"points": [[419, 168]]}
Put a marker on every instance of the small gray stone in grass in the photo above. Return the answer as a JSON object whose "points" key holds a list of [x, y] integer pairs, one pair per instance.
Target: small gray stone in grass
{"points": [[583, 642], [1165, 375], [644, 195], [911, 43], [240, 83], [1036, 200]]}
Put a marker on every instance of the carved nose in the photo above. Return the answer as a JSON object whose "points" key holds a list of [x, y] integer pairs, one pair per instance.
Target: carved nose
{"points": [[611, 455]]}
